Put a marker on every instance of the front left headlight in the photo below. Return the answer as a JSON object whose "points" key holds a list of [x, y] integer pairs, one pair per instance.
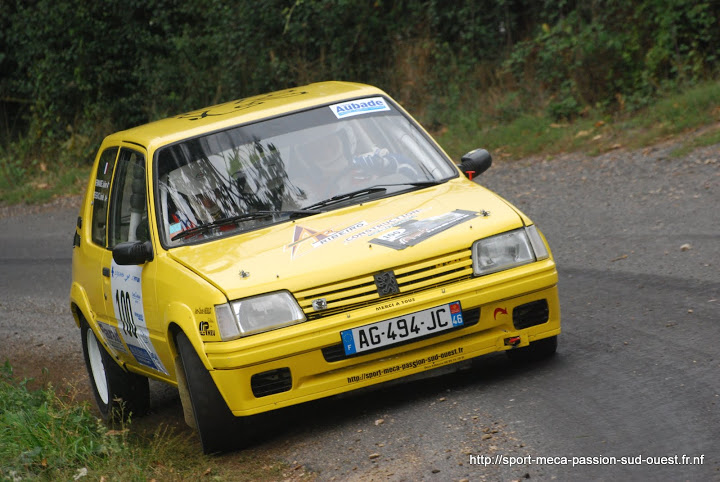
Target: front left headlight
{"points": [[249, 316], [508, 250]]}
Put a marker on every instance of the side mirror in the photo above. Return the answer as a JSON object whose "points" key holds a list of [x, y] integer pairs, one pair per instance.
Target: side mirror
{"points": [[475, 163], [133, 252]]}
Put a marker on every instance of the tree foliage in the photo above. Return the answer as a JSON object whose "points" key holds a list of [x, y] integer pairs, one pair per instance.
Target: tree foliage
{"points": [[615, 53], [72, 67]]}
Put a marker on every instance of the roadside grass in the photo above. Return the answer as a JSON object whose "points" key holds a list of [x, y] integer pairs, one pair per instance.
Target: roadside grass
{"points": [[32, 178], [678, 116], [38, 186], [708, 138], [45, 434]]}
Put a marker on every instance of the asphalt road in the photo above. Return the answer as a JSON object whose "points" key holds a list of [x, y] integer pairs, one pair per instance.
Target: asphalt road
{"points": [[636, 236]]}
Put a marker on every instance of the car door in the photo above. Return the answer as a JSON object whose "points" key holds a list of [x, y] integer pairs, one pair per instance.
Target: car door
{"points": [[129, 290], [90, 241]]}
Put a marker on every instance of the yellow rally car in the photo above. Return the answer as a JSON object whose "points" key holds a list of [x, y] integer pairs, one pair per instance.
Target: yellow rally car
{"points": [[291, 246]]}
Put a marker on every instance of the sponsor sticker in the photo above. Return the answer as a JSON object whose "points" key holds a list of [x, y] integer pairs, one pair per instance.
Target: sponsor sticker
{"points": [[126, 285], [302, 234], [112, 337], [359, 106], [414, 232], [305, 239], [383, 225], [443, 358], [204, 327]]}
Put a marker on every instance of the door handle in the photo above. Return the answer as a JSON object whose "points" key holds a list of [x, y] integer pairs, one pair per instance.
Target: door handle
{"points": [[106, 272]]}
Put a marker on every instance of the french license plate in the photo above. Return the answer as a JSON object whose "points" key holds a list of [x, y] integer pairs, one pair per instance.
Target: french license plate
{"points": [[403, 328]]}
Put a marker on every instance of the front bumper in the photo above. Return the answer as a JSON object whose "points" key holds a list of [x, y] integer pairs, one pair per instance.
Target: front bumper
{"points": [[521, 302]]}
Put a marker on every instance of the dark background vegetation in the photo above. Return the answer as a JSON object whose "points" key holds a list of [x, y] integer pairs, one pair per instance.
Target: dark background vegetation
{"points": [[73, 71]]}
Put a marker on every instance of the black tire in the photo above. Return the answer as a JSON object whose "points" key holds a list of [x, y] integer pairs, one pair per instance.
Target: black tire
{"points": [[535, 351], [118, 393], [219, 429]]}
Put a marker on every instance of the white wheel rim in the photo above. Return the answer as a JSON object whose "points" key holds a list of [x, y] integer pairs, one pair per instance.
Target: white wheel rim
{"points": [[97, 367]]}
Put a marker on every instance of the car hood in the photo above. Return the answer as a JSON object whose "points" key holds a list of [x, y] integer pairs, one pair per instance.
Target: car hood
{"points": [[352, 241]]}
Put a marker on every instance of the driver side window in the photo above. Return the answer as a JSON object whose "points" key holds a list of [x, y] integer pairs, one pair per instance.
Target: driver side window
{"points": [[128, 207]]}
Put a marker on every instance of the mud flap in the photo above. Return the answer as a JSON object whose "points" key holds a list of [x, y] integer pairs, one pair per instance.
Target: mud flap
{"points": [[184, 394]]}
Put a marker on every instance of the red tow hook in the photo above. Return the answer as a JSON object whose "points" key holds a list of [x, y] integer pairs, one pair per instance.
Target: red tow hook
{"points": [[512, 341]]}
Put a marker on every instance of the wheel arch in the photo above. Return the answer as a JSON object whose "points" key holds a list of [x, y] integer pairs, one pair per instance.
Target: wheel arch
{"points": [[180, 318], [80, 308], [79, 304]]}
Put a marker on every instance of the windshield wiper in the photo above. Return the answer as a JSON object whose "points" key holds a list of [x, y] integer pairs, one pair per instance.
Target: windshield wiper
{"points": [[417, 183], [243, 217], [346, 196], [369, 190]]}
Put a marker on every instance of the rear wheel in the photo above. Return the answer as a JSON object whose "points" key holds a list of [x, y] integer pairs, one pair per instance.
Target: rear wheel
{"points": [[117, 393], [535, 351], [218, 428]]}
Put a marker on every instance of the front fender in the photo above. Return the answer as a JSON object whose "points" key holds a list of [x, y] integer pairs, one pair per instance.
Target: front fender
{"points": [[179, 316]]}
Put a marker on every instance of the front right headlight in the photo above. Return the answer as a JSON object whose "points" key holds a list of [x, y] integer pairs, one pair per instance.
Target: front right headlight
{"points": [[248, 316], [508, 250]]}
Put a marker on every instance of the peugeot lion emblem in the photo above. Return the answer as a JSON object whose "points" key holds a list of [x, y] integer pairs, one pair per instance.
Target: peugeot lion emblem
{"points": [[386, 283]]}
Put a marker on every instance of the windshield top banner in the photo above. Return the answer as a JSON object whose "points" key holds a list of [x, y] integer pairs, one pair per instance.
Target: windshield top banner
{"points": [[360, 106]]}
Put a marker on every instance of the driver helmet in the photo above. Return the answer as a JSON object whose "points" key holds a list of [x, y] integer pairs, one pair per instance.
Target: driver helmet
{"points": [[328, 146]]}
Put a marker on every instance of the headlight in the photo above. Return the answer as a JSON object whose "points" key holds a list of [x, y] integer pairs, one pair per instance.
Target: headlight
{"points": [[508, 250], [249, 316]]}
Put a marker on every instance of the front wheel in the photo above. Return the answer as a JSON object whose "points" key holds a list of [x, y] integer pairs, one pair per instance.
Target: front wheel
{"points": [[535, 351], [117, 393], [218, 428]]}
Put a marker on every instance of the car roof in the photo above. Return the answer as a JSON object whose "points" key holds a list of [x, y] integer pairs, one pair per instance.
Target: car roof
{"points": [[241, 111]]}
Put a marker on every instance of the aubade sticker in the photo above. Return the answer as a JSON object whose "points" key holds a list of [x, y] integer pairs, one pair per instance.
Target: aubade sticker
{"points": [[358, 107]]}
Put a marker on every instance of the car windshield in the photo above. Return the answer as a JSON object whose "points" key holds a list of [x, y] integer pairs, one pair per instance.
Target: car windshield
{"points": [[296, 165]]}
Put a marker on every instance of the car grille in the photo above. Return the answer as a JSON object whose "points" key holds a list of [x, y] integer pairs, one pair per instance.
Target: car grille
{"points": [[354, 293]]}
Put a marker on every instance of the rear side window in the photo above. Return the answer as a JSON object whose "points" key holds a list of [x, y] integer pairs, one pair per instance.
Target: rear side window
{"points": [[101, 195]]}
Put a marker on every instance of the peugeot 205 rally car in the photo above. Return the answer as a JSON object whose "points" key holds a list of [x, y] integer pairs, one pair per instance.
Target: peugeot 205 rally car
{"points": [[291, 246]]}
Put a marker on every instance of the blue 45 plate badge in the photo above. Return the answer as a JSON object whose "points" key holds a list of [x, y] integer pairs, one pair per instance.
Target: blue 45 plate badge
{"points": [[126, 287], [402, 328]]}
